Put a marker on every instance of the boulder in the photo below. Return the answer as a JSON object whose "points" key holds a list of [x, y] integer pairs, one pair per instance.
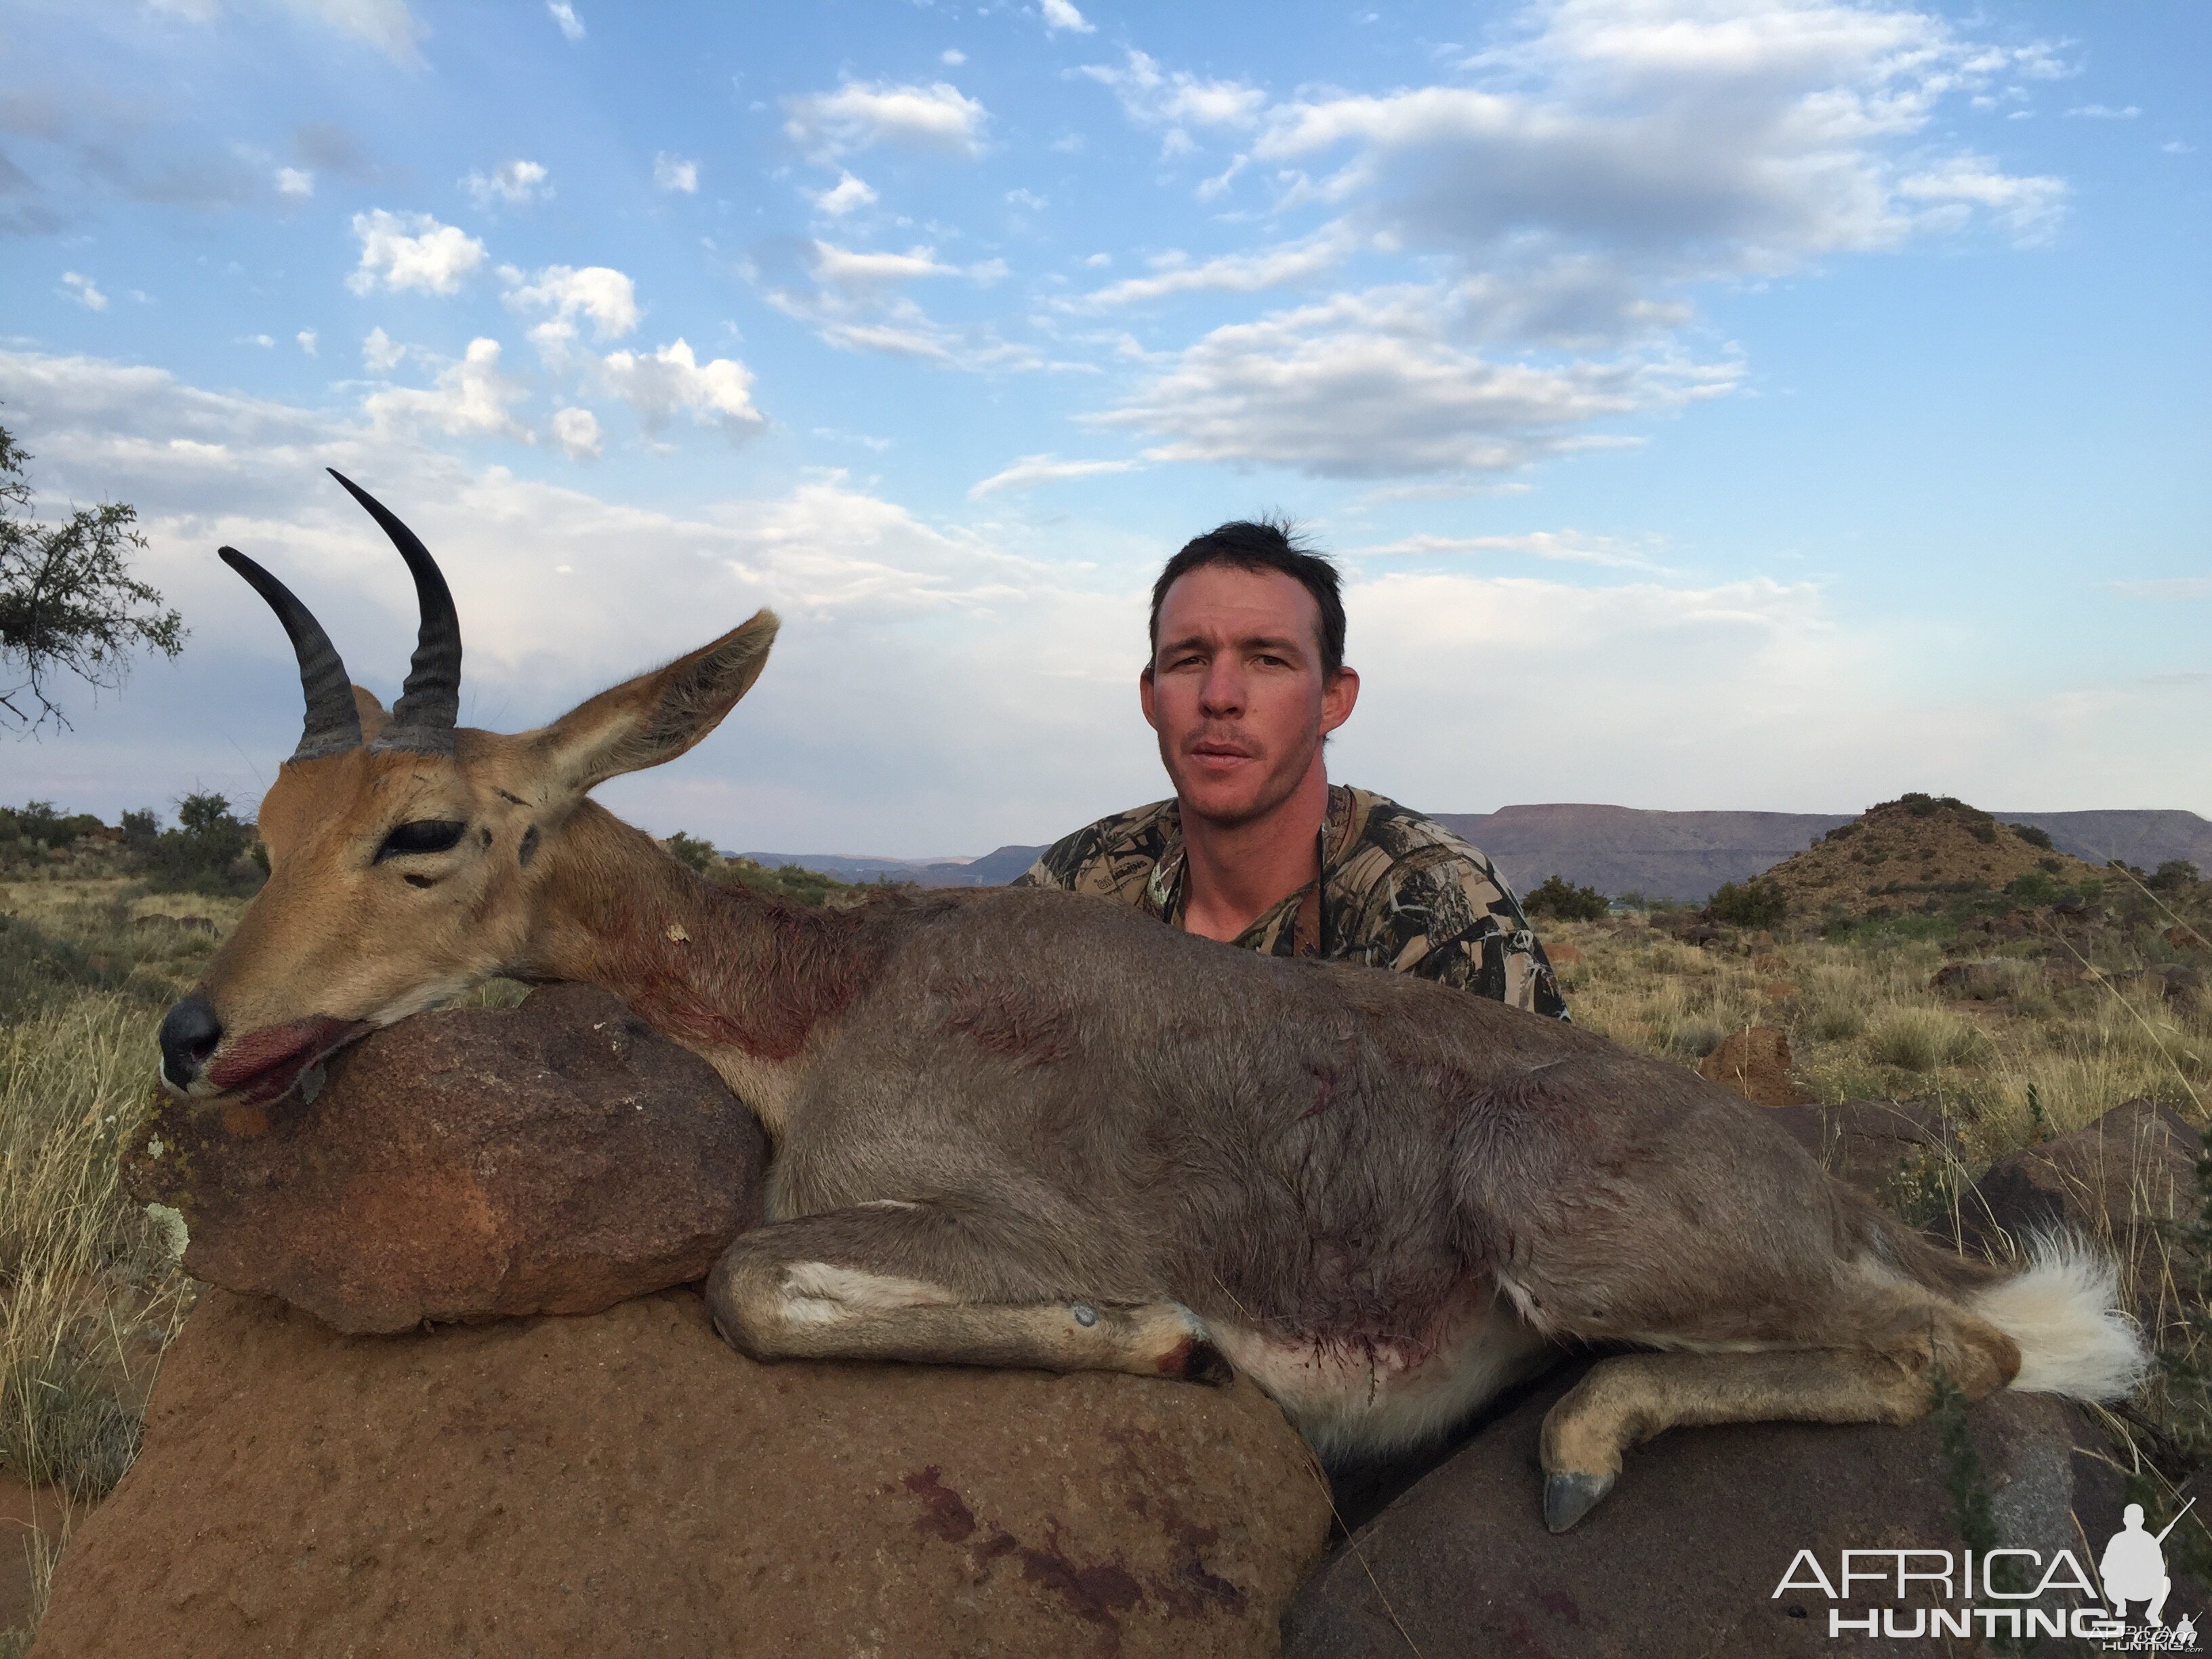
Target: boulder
{"points": [[625, 1484], [1683, 1558], [557, 1158], [1874, 1144], [1755, 1063], [2113, 1180]]}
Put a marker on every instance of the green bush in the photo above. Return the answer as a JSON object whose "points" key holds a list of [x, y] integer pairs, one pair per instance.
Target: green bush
{"points": [[2032, 836], [2034, 888], [205, 853], [1753, 903], [40, 823], [1556, 899], [692, 850]]}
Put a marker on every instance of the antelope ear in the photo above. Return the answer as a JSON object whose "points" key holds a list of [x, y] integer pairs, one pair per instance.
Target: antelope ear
{"points": [[373, 717], [657, 716]]}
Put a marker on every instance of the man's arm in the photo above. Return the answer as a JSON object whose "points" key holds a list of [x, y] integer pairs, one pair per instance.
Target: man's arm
{"points": [[1442, 913]]}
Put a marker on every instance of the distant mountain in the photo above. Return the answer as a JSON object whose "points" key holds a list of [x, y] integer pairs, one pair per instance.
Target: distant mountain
{"points": [[1625, 849], [992, 869]]}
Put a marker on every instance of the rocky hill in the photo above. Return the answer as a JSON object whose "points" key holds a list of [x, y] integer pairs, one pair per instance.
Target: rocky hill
{"points": [[1626, 850], [1920, 854]]}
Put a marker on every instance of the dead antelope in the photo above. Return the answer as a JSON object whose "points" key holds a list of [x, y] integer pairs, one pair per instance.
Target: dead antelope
{"points": [[1021, 1127]]}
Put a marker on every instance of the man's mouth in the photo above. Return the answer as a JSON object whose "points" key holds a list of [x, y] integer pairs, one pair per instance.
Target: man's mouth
{"points": [[1218, 752], [262, 1065]]}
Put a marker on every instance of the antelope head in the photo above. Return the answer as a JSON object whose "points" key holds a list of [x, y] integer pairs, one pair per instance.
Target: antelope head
{"points": [[408, 855]]}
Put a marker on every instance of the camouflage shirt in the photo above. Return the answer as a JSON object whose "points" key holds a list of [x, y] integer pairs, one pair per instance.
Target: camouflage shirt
{"points": [[1397, 891]]}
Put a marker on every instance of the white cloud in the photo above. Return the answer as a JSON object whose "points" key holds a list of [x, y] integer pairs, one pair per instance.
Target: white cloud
{"points": [[308, 339], [853, 268], [577, 431], [1033, 470], [861, 114], [599, 293], [513, 184], [1026, 198], [2105, 112], [952, 57], [2030, 207], [1232, 273], [470, 399], [571, 26], [1372, 384], [843, 197], [1154, 97], [381, 353], [387, 25], [1062, 15], [298, 182], [660, 385], [675, 174], [84, 291], [411, 251]]}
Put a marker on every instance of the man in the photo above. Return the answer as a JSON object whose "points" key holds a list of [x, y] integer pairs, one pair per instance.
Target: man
{"points": [[1257, 849]]}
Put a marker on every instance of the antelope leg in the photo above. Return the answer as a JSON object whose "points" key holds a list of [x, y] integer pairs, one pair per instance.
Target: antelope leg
{"points": [[925, 1281]]}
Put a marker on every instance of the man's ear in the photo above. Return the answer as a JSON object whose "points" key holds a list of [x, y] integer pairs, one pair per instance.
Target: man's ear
{"points": [[656, 716]]}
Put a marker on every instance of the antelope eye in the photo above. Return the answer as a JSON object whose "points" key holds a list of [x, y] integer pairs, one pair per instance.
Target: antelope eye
{"points": [[422, 836]]}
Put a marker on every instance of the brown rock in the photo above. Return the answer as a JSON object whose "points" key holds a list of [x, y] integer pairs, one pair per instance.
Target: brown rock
{"points": [[625, 1484], [2134, 1166], [1682, 1560], [1755, 1063], [1874, 1144], [557, 1158], [2182, 937]]}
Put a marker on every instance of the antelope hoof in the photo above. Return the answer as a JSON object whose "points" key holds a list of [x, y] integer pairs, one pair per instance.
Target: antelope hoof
{"points": [[1568, 1497]]}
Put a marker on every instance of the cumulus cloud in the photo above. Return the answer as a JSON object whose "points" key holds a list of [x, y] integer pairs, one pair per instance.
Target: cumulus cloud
{"points": [[2105, 112], [577, 431], [411, 251], [1372, 384], [663, 384], [853, 268], [674, 174], [599, 294], [296, 183], [564, 14], [843, 197], [83, 289], [471, 399], [1060, 14], [1231, 273], [1033, 470], [1154, 97], [380, 353], [1567, 547], [512, 184], [862, 114], [308, 339]]}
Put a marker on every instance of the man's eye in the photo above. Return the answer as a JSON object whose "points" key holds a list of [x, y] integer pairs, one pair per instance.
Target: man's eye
{"points": [[421, 836]]}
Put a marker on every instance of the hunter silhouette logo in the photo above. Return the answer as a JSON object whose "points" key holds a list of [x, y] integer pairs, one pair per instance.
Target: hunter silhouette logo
{"points": [[2133, 1569]]}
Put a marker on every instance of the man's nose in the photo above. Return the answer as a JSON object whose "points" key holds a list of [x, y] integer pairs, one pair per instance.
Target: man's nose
{"points": [[1222, 691]]}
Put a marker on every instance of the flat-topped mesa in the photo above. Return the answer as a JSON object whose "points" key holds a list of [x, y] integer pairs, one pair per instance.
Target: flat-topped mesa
{"points": [[739, 977]]}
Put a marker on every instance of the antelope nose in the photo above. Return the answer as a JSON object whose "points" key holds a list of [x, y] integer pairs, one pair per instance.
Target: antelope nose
{"points": [[189, 1036]]}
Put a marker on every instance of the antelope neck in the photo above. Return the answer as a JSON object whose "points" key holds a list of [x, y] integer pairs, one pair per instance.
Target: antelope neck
{"points": [[740, 979]]}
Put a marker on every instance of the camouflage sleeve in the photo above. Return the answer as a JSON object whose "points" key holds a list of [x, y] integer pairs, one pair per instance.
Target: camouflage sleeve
{"points": [[1450, 917], [1058, 865]]}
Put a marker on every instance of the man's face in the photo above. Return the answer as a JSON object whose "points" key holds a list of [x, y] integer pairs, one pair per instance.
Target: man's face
{"points": [[1236, 693]]}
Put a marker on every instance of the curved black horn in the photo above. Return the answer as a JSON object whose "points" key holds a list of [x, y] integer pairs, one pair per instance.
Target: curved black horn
{"points": [[333, 723], [430, 702]]}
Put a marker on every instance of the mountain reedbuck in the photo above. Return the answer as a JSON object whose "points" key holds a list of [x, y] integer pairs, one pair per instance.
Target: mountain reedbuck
{"points": [[1022, 1128]]}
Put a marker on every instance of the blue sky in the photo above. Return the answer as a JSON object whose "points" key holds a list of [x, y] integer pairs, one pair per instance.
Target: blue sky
{"points": [[1776, 405]]}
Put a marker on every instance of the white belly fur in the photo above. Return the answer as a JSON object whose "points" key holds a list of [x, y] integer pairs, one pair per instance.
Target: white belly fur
{"points": [[1374, 1396]]}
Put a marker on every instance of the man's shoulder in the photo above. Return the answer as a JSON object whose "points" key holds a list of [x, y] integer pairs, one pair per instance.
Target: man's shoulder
{"points": [[1114, 856], [1394, 845]]}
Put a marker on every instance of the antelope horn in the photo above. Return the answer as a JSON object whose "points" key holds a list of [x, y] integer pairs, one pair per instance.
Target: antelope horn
{"points": [[333, 723], [430, 702]]}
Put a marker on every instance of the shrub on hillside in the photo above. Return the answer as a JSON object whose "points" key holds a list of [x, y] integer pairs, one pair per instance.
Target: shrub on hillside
{"points": [[699, 853], [1753, 903], [206, 852], [1555, 899], [2032, 836], [37, 826]]}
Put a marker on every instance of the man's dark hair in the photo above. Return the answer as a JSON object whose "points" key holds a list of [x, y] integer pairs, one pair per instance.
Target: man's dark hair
{"points": [[1263, 545]]}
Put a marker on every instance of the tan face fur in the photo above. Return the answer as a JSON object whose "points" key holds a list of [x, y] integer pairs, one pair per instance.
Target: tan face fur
{"points": [[374, 909]]}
